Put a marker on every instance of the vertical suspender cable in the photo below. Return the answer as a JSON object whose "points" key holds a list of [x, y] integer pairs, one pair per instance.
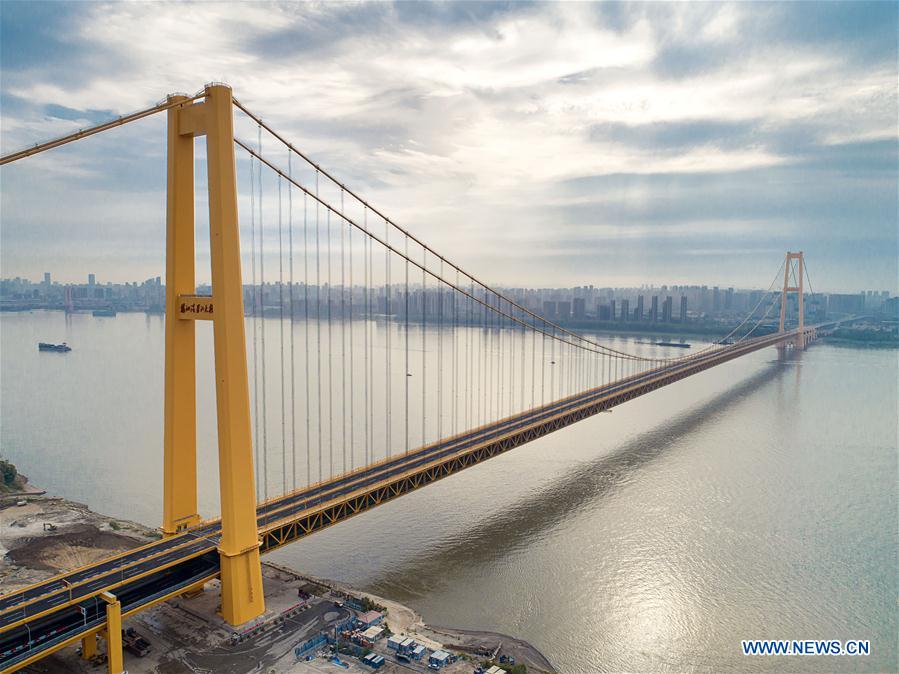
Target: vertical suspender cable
{"points": [[318, 328], [365, 244], [543, 367], [293, 396], [281, 322], [343, 366], [262, 334], [254, 325], [477, 358], [513, 332], [491, 386], [406, 331], [387, 321], [492, 382], [533, 365], [424, 347], [454, 295], [484, 344], [330, 353], [439, 385], [469, 383], [497, 319], [369, 330], [306, 373], [510, 340], [510, 366], [524, 334], [352, 362], [552, 369]]}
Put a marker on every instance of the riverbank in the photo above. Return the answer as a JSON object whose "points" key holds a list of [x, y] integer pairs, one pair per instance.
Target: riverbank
{"points": [[42, 536]]}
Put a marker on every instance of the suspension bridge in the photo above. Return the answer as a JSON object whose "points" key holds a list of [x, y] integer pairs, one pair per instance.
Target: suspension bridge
{"points": [[353, 364]]}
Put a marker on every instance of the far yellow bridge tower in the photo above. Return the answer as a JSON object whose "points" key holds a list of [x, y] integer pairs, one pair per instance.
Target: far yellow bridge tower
{"points": [[795, 266]]}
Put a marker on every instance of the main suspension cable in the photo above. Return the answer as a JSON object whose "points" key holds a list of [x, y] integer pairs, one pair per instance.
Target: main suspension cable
{"points": [[99, 128]]}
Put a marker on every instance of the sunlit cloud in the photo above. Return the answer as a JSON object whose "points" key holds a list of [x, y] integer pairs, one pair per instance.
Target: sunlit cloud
{"points": [[662, 129]]}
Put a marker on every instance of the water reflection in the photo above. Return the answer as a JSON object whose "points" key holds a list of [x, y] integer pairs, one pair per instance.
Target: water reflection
{"points": [[578, 489]]}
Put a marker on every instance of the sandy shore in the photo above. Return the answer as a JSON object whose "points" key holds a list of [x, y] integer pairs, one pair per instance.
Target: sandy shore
{"points": [[48, 535]]}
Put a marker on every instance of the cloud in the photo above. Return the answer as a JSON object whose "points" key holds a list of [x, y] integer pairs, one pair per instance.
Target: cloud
{"points": [[484, 126]]}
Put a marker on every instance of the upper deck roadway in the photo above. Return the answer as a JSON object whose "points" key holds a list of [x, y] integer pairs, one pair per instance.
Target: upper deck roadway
{"points": [[51, 614]]}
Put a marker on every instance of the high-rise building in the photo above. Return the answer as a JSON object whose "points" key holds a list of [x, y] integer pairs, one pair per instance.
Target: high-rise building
{"points": [[580, 308], [654, 310], [728, 299], [46, 278], [683, 308], [564, 309], [838, 303], [716, 299], [666, 310], [625, 310], [91, 280], [638, 312], [612, 309], [549, 309]]}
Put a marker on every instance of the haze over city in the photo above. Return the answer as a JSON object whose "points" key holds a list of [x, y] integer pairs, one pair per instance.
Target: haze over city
{"points": [[544, 145]]}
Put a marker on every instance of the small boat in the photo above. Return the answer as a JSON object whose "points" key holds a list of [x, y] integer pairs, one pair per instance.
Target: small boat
{"points": [[45, 346], [104, 312], [680, 345]]}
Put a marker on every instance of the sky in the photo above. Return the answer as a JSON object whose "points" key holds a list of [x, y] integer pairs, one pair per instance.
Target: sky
{"points": [[540, 145]]}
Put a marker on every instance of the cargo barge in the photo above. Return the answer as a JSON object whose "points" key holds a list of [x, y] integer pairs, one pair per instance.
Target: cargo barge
{"points": [[61, 348]]}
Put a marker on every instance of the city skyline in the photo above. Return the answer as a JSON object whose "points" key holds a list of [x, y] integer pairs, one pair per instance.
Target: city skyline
{"points": [[564, 142], [584, 303], [91, 279]]}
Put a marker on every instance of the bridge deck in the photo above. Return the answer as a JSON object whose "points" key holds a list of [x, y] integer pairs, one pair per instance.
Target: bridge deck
{"points": [[60, 609]]}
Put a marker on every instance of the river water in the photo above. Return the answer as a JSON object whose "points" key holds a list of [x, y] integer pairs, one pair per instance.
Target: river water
{"points": [[757, 500]]}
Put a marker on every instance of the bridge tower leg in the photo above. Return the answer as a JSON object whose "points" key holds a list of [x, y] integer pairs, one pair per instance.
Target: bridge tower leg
{"points": [[241, 570], [241, 574], [179, 505], [783, 294]]}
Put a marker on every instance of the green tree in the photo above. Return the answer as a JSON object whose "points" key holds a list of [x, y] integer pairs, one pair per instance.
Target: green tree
{"points": [[8, 473]]}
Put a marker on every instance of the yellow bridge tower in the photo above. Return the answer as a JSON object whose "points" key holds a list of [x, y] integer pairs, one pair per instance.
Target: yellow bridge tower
{"points": [[795, 263], [241, 573]]}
